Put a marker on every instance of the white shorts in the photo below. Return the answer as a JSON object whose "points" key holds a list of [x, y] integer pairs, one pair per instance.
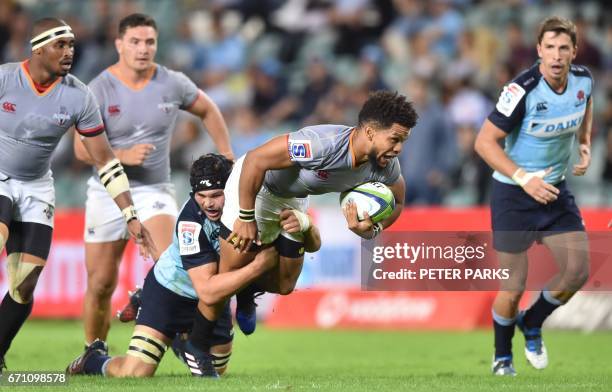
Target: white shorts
{"points": [[267, 208], [33, 201], [103, 219]]}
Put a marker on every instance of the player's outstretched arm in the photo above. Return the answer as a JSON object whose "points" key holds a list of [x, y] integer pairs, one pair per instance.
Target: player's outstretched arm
{"points": [[271, 155], [488, 147], [209, 112], [116, 183], [584, 140]]}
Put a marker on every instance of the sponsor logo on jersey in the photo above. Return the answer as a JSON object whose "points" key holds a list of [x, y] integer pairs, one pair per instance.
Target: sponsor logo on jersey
{"points": [[8, 107], [581, 98], [114, 110], [556, 126], [542, 107], [509, 99], [188, 237], [62, 117], [300, 150]]}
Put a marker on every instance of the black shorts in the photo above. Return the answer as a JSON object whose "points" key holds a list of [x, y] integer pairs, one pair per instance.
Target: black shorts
{"points": [[518, 220], [170, 313]]}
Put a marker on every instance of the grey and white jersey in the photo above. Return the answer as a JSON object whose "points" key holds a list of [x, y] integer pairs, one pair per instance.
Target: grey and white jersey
{"points": [[324, 162], [32, 123], [141, 116]]}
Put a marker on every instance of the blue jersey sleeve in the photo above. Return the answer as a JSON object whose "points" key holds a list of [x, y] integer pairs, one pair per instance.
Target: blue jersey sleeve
{"points": [[195, 247], [509, 111]]}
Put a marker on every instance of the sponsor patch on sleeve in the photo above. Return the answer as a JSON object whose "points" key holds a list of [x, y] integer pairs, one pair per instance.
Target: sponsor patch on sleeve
{"points": [[188, 238], [300, 150], [509, 99]]}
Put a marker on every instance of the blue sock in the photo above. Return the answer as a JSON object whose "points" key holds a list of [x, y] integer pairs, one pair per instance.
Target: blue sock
{"points": [[542, 308], [504, 332], [95, 364]]}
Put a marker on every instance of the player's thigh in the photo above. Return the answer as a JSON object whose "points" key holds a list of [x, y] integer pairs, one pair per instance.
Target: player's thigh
{"points": [[571, 254], [102, 259], [6, 215], [161, 228]]}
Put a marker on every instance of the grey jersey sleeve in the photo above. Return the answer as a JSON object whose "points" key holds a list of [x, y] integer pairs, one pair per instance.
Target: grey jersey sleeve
{"points": [[188, 91], [312, 149], [89, 121]]}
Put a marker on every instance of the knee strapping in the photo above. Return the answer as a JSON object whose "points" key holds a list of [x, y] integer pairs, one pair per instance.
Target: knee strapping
{"points": [[146, 347], [22, 278]]}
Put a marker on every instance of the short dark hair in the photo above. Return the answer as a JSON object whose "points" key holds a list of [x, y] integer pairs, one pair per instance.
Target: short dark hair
{"points": [[215, 168], [558, 25], [135, 20], [384, 108]]}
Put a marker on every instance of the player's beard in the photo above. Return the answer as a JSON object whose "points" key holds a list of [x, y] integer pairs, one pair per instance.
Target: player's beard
{"points": [[374, 160]]}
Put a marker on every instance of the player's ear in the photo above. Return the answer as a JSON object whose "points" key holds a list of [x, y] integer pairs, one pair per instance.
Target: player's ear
{"points": [[118, 45], [370, 132]]}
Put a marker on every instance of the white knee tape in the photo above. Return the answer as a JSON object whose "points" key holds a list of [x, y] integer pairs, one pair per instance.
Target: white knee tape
{"points": [[18, 271]]}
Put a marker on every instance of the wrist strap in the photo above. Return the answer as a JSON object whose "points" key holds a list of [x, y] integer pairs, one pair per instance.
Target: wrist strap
{"points": [[246, 215], [129, 213]]}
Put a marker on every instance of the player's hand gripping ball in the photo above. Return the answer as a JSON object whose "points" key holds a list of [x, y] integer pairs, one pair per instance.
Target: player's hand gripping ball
{"points": [[375, 198]]}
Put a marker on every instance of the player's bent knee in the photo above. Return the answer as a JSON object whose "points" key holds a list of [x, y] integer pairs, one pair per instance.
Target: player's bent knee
{"points": [[102, 285], [22, 276], [147, 348]]}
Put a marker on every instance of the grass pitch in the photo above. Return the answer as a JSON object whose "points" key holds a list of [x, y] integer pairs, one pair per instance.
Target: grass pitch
{"points": [[336, 360]]}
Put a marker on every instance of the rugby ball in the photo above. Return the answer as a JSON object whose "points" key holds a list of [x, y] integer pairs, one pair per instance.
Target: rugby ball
{"points": [[375, 198]]}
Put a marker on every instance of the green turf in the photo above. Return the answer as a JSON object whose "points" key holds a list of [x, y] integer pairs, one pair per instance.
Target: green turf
{"points": [[337, 360]]}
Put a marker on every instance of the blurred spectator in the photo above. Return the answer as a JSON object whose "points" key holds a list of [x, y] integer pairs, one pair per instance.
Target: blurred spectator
{"points": [[518, 53], [607, 171], [370, 63], [269, 88], [588, 54], [246, 131], [18, 46], [430, 154], [445, 26]]}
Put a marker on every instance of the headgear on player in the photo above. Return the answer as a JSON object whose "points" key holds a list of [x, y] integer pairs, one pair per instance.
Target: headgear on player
{"points": [[209, 171], [50, 35]]}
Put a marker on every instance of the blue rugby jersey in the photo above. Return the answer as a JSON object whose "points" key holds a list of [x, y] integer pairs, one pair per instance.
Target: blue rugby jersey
{"points": [[541, 123], [195, 243]]}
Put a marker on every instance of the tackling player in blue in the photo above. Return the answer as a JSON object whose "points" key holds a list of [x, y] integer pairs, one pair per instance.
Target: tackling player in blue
{"points": [[539, 115]]}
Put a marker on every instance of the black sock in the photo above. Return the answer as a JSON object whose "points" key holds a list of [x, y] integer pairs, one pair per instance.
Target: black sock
{"points": [[245, 296], [542, 308], [504, 332], [202, 333], [13, 315]]}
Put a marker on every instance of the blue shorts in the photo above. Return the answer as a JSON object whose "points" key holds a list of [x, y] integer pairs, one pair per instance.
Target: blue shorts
{"points": [[518, 220], [170, 313]]}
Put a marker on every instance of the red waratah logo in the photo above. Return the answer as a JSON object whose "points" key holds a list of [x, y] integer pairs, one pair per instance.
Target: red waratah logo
{"points": [[580, 95], [8, 107], [114, 110]]}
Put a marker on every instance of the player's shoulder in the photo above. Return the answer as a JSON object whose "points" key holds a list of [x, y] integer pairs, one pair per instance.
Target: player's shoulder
{"points": [[9, 68], [101, 79], [515, 92], [325, 131], [190, 212], [528, 79], [164, 74], [581, 71], [73, 83]]}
